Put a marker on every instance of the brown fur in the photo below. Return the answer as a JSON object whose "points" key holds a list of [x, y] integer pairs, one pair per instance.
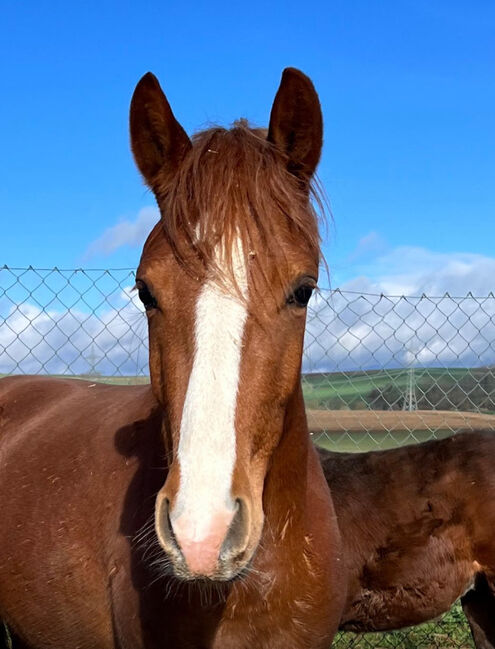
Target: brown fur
{"points": [[88, 472], [417, 524]]}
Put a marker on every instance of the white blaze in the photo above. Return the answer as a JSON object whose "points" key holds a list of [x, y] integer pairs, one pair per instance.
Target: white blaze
{"points": [[207, 444]]}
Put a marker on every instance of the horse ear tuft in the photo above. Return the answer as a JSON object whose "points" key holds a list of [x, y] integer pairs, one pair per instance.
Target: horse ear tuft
{"points": [[158, 141], [296, 123]]}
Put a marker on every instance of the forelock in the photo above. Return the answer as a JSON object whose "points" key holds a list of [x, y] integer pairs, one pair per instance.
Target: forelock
{"points": [[234, 187]]}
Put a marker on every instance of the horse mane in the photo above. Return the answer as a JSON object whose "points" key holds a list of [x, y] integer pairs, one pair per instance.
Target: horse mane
{"points": [[234, 185]]}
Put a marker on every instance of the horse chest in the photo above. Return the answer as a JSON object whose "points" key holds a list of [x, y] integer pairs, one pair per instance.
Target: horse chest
{"points": [[273, 625], [252, 614]]}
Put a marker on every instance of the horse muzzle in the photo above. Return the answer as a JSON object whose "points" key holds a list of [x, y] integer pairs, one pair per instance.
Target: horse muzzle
{"points": [[218, 551]]}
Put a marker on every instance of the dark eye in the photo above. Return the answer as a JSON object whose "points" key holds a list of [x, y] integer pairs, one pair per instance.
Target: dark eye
{"points": [[145, 296], [300, 295]]}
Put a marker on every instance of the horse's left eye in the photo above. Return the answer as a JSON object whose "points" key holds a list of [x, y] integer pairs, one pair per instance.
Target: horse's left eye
{"points": [[300, 295], [145, 296]]}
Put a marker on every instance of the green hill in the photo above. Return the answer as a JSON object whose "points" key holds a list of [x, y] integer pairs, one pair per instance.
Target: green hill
{"points": [[435, 388]]}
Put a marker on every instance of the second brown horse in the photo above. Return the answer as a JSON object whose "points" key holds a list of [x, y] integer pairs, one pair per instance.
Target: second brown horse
{"points": [[418, 529]]}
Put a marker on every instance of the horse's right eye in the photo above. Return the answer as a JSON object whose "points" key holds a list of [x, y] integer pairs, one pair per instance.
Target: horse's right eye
{"points": [[149, 302], [300, 295]]}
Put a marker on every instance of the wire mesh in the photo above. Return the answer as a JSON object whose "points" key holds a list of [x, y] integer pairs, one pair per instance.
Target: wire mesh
{"points": [[378, 370]]}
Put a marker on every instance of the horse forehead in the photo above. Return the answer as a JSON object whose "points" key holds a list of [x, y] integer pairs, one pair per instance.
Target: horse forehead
{"points": [[283, 258]]}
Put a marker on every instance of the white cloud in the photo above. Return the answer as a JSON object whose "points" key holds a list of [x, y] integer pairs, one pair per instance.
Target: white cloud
{"points": [[112, 341], [125, 233], [371, 243], [408, 270], [360, 328]]}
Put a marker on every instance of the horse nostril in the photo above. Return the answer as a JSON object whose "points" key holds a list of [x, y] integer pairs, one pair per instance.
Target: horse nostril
{"points": [[164, 527], [237, 536]]}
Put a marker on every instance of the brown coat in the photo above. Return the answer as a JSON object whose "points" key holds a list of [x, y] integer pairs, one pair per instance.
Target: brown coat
{"points": [[418, 529]]}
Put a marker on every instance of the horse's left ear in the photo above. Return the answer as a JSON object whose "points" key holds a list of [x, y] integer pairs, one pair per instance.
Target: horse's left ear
{"points": [[158, 141], [296, 123]]}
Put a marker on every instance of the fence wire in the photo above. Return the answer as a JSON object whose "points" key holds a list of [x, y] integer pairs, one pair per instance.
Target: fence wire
{"points": [[378, 371]]}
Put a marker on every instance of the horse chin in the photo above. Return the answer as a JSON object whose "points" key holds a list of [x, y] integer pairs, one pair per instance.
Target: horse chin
{"points": [[226, 572], [228, 569]]}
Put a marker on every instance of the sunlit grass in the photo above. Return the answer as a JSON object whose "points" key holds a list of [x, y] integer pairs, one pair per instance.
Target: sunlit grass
{"points": [[450, 632]]}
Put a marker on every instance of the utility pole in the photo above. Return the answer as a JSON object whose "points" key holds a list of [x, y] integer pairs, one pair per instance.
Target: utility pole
{"points": [[410, 400], [92, 359]]}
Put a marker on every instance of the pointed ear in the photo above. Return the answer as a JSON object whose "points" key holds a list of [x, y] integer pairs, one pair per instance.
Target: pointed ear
{"points": [[158, 141], [296, 123]]}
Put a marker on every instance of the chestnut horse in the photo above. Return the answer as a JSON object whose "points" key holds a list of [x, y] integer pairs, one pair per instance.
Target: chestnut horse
{"points": [[193, 513], [418, 529]]}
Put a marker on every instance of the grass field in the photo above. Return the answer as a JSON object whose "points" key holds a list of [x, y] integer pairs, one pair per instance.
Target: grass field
{"points": [[365, 430], [450, 632], [354, 442], [439, 388]]}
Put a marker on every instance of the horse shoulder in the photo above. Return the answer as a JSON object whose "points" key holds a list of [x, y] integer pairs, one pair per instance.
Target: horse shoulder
{"points": [[74, 469]]}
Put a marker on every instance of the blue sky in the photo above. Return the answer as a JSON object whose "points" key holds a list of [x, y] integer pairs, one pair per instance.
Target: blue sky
{"points": [[408, 96]]}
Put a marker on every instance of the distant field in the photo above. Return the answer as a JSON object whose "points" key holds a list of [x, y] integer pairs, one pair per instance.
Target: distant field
{"points": [[382, 421], [435, 388], [112, 380], [365, 430], [354, 442]]}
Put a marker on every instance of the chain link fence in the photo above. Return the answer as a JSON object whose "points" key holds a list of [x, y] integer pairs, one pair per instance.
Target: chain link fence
{"points": [[378, 371]]}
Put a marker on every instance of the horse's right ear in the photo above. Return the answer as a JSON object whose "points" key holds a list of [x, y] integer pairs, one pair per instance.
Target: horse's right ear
{"points": [[158, 141], [296, 124]]}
